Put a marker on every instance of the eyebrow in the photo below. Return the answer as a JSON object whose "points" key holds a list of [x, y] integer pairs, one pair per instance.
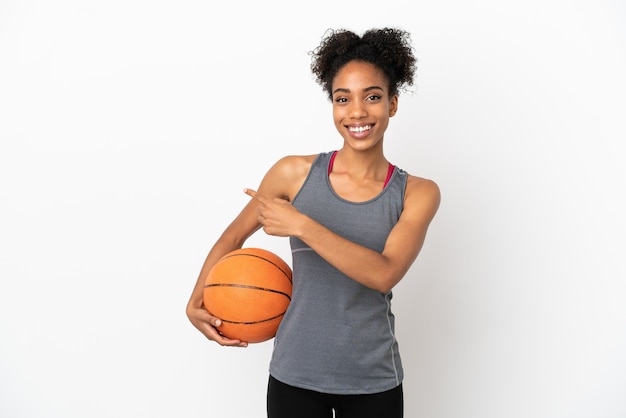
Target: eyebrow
{"points": [[342, 90]]}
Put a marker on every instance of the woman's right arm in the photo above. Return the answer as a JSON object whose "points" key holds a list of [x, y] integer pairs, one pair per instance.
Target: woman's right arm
{"points": [[282, 181], [231, 239]]}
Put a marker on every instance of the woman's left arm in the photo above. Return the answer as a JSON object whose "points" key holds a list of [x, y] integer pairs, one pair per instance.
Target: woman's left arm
{"points": [[379, 271]]}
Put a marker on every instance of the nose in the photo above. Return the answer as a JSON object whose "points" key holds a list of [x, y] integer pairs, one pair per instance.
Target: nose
{"points": [[357, 110]]}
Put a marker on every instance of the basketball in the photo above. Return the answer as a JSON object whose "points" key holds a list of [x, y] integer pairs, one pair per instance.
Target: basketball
{"points": [[249, 290]]}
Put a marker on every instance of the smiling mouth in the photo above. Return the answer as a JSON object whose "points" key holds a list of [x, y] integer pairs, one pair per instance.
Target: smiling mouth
{"points": [[359, 129]]}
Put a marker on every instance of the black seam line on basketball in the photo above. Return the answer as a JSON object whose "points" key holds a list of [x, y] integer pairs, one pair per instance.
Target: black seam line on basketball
{"points": [[247, 287], [252, 322], [262, 258]]}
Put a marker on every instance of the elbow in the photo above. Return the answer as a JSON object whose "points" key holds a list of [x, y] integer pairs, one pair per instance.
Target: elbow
{"points": [[386, 288], [387, 277], [385, 283]]}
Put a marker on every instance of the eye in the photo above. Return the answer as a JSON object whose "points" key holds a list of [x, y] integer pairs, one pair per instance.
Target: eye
{"points": [[373, 98], [341, 100]]}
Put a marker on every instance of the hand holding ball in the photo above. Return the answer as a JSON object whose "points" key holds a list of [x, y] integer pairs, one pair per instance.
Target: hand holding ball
{"points": [[249, 290]]}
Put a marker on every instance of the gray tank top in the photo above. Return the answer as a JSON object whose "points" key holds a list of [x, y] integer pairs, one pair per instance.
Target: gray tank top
{"points": [[337, 335]]}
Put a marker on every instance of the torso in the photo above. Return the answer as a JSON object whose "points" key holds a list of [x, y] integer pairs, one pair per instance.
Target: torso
{"points": [[338, 335]]}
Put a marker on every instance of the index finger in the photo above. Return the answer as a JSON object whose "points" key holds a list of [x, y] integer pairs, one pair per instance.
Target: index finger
{"points": [[255, 195]]}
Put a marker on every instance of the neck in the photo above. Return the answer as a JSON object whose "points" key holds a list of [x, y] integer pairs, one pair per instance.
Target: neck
{"points": [[361, 164]]}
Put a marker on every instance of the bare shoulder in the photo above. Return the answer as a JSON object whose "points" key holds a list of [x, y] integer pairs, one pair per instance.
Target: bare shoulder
{"points": [[287, 175], [421, 186], [422, 197], [294, 165]]}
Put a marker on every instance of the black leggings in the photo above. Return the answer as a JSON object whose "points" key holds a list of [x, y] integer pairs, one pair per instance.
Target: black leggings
{"points": [[285, 401]]}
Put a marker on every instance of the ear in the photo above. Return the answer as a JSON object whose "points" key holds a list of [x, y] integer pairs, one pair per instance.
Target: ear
{"points": [[393, 105]]}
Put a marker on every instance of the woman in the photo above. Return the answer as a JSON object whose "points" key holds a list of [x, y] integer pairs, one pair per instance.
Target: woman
{"points": [[355, 223]]}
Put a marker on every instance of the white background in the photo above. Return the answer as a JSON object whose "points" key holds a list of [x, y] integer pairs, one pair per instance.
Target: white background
{"points": [[129, 128]]}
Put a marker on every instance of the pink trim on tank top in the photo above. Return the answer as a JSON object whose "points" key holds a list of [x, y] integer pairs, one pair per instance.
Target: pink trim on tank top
{"points": [[389, 170]]}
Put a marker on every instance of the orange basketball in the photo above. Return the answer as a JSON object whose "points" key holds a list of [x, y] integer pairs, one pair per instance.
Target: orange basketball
{"points": [[249, 290]]}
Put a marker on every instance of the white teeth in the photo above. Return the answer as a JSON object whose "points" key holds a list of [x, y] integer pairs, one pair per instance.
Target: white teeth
{"points": [[359, 128]]}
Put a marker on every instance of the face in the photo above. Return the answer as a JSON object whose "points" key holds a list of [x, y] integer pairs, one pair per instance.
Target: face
{"points": [[362, 105]]}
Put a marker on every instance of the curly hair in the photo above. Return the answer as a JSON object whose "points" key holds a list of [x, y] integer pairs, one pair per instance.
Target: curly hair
{"points": [[389, 49]]}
